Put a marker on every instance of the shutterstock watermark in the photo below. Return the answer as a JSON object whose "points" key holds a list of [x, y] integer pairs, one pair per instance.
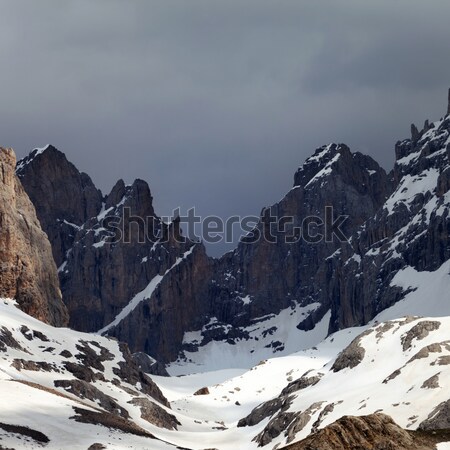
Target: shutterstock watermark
{"points": [[270, 227]]}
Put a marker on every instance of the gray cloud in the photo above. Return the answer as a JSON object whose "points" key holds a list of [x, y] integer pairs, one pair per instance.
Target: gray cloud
{"points": [[216, 104]]}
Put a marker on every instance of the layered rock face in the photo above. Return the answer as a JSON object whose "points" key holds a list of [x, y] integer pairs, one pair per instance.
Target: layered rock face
{"points": [[64, 198], [410, 231], [27, 270]]}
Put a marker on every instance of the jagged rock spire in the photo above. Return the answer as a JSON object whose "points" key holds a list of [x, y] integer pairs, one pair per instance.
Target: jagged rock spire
{"points": [[448, 105], [415, 135]]}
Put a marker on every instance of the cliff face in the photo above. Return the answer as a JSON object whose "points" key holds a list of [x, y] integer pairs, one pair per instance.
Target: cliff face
{"points": [[27, 271], [410, 232], [63, 197]]}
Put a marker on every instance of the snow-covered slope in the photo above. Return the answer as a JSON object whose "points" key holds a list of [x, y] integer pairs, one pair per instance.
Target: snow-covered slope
{"points": [[62, 385], [401, 368], [269, 336], [50, 379]]}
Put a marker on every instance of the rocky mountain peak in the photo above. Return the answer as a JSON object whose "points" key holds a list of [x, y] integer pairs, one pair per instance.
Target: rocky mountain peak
{"points": [[63, 196], [27, 270], [8, 163], [354, 169], [323, 159], [116, 195]]}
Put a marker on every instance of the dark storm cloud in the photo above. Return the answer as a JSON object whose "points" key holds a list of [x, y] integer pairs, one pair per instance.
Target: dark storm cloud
{"points": [[216, 103]]}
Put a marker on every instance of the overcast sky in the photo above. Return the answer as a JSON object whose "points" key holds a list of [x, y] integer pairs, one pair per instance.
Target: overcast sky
{"points": [[216, 103]]}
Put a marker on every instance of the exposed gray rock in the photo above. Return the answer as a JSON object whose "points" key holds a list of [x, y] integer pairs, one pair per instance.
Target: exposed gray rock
{"points": [[419, 332], [266, 409], [109, 420], [129, 372], [431, 383], [438, 419], [325, 411], [274, 428], [155, 414], [301, 420], [442, 361], [35, 366], [7, 340], [301, 383], [352, 355], [426, 351], [85, 390], [149, 365], [26, 432]]}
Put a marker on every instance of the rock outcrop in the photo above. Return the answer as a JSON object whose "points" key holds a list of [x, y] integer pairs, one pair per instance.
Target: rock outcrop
{"points": [[27, 269], [376, 432]]}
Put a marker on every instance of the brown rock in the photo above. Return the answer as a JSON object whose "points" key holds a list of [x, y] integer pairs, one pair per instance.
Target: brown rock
{"points": [[375, 432], [155, 414], [419, 332], [202, 391], [27, 270]]}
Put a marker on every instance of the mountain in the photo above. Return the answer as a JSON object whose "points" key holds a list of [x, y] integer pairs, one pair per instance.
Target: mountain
{"points": [[345, 243], [27, 270], [398, 242], [149, 292], [337, 337]]}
